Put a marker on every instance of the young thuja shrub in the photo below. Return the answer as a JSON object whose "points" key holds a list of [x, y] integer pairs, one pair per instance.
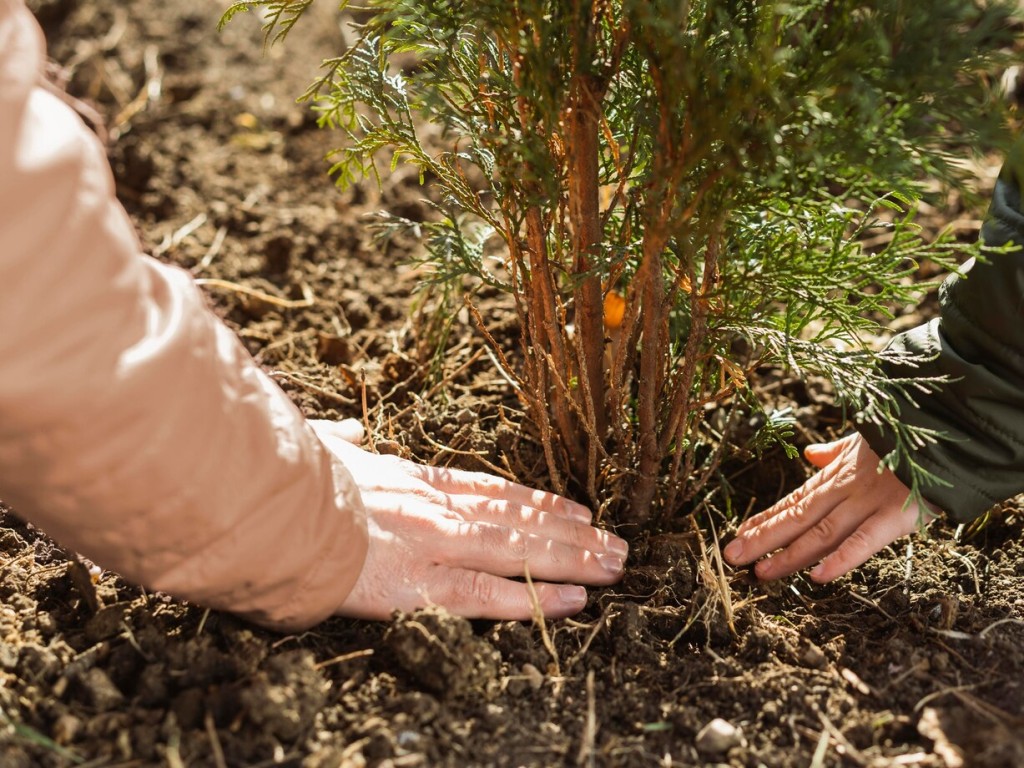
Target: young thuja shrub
{"points": [[676, 193]]}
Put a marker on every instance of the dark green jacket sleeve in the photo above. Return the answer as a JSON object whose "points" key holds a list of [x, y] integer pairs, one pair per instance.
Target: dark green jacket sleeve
{"points": [[978, 342]]}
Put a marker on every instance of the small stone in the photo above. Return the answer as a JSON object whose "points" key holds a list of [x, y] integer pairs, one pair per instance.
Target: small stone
{"points": [[8, 656], [718, 736], [66, 729], [107, 622], [100, 691], [533, 676], [45, 623], [813, 657]]}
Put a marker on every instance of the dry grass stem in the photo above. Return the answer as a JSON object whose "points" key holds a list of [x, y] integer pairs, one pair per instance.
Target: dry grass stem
{"points": [[308, 299], [344, 657], [211, 732], [722, 582], [541, 622], [310, 387], [586, 755], [213, 251], [179, 235], [576, 657]]}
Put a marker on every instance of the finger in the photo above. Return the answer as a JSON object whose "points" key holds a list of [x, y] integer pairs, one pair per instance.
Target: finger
{"points": [[537, 522], [505, 551], [478, 595], [822, 538], [826, 454], [877, 532], [349, 430], [823, 454], [457, 481], [783, 522]]}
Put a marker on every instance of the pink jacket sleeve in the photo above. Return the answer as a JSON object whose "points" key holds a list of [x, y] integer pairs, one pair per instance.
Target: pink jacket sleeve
{"points": [[134, 428]]}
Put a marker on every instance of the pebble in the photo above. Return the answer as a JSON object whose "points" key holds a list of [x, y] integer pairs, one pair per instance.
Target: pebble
{"points": [[718, 736], [66, 729], [813, 657], [533, 675], [100, 691]]}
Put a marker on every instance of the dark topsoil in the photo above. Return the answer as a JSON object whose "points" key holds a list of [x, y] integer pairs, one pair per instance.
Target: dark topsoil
{"points": [[914, 660]]}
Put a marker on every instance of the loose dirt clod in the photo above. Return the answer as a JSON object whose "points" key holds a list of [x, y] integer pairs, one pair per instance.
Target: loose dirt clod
{"points": [[441, 652]]}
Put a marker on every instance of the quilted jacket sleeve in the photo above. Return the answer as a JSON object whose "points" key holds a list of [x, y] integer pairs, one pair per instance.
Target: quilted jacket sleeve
{"points": [[978, 341], [134, 428]]}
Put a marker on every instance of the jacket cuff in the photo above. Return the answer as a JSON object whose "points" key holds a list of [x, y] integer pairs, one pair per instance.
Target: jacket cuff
{"points": [[975, 343], [981, 467]]}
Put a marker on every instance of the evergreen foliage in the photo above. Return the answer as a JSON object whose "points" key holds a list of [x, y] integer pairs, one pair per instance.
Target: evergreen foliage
{"points": [[678, 191]]}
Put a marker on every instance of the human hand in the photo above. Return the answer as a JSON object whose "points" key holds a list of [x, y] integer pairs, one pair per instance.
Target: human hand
{"points": [[840, 517], [452, 538]]}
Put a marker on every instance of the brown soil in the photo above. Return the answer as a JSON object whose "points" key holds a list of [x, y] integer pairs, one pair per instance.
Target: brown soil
{"points": [[915, 660]]}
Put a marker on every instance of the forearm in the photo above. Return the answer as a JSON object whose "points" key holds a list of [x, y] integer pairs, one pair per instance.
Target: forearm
{"points": [[133, 426], [977, 343]]}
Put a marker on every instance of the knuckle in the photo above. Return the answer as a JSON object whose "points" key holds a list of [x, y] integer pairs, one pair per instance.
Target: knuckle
{"points": [[797, 512], [480, 588], [859, 545], [478, 482], [824, 530], [497, 540], [579, 537]]}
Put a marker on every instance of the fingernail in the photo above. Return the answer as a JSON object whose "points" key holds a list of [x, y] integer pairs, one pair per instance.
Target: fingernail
{"points": [[617, 546], [577, 512], [572, 596], [764, 569], [816, 572], [733, 550], [611, 563]]}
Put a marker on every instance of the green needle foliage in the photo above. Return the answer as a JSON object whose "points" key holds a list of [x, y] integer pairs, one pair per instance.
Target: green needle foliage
{"points": [[674, 193]]}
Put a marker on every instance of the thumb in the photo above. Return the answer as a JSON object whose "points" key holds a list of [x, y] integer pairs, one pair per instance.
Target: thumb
{"points": [[823, 454], [349, 430]]}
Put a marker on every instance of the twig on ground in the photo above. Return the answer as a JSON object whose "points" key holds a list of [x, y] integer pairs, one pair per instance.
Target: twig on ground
{"points": [[177, 237], [148, 94], [970, 567], [714, 579], [538, 619], [869, 602], [371, 444], [724, 593], [996, 715], [444, 380], [586, 754], [313, 387], [478, 456], [308, 299], [820, 751], [851, 751], [598, 625], [172, 751], [344, 657], [990, 627], [212, 251], [202, 622], [211, 732], [32, 736], [908, 567], [133, 642], [958, 635], [925, 700], [16, 560]]}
